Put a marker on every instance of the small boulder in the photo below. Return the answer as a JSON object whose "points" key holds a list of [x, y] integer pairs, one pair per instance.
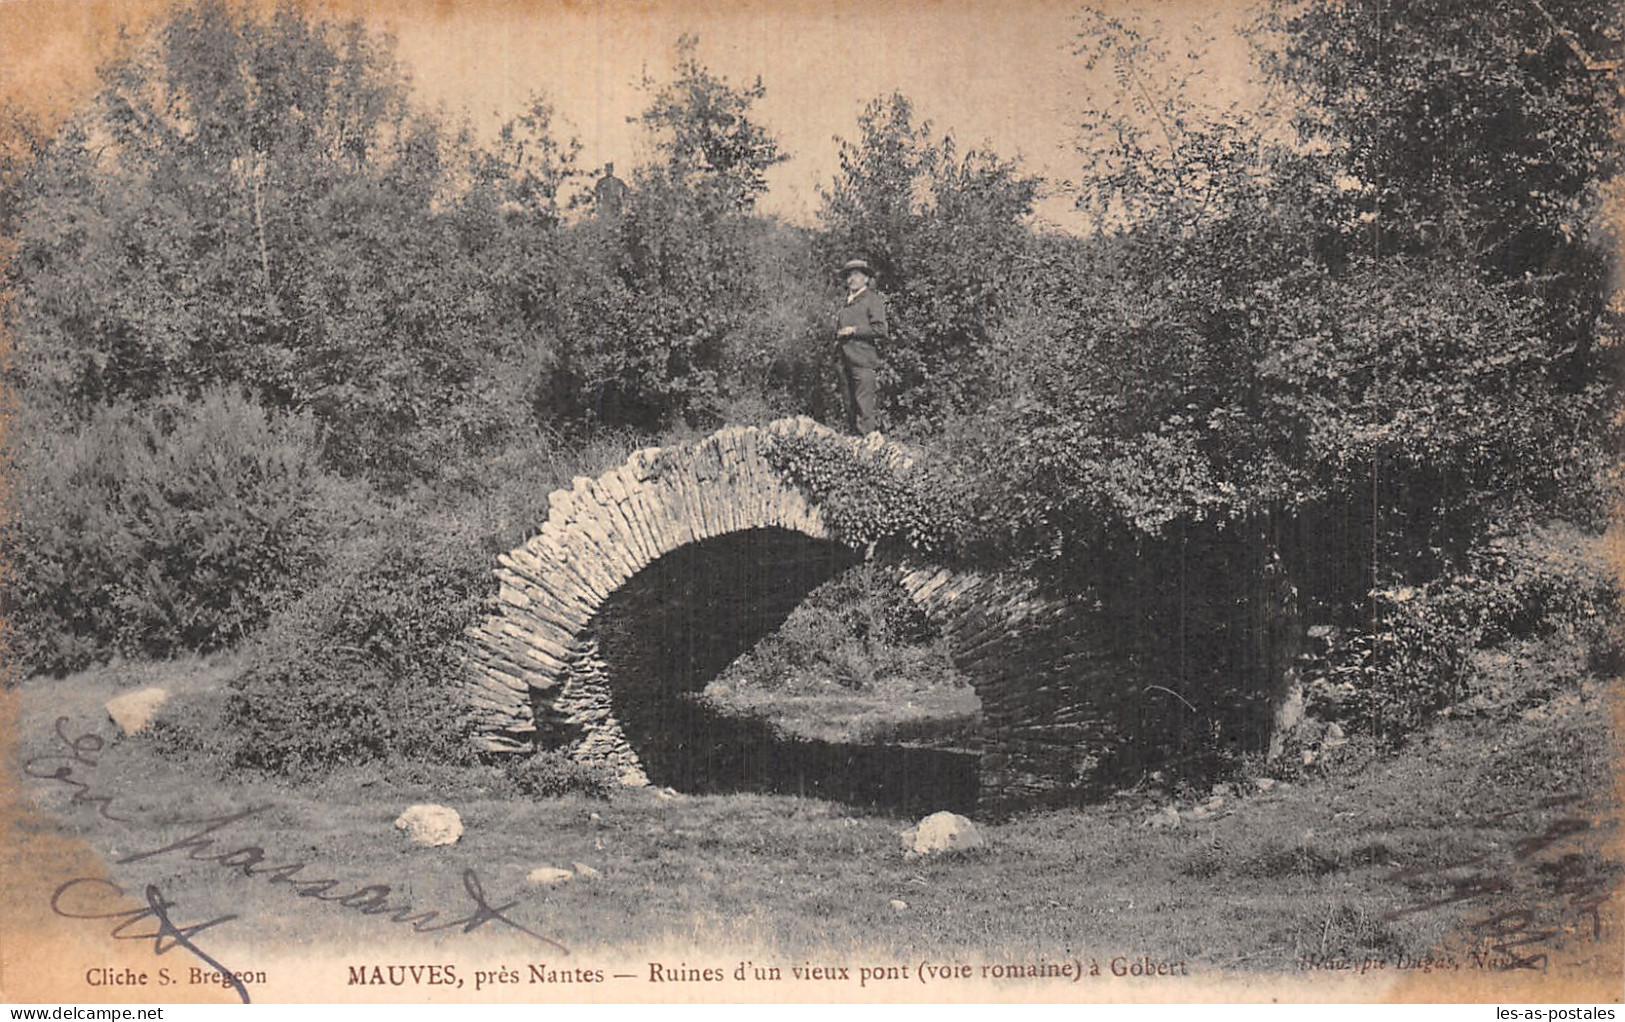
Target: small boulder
{"points": [[548, 876], [134, 711], [942, 832], [431, 825], [899, 905], [1168, 816], [584, 871]]}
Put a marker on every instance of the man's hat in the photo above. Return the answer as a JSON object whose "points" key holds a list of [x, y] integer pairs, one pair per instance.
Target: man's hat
{"points": [[861, 265]]}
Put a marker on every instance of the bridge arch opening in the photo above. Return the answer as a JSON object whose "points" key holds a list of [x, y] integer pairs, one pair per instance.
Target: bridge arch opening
{"points": [[681, 621]]}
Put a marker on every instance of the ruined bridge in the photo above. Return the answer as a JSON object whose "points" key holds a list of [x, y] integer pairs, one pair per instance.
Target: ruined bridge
{"points": [[644, 583]]}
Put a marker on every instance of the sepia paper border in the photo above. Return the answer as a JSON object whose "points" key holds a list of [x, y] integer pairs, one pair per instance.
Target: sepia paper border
{"points": [[48, 52]]}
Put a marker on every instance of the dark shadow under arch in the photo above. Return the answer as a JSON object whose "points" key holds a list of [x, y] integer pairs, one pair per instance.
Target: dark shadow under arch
{"points": [[677, 623]]}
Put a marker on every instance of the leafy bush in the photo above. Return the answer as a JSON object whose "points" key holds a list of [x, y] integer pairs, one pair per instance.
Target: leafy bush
{"points": [[194, 730], [648, 300], [1417, 653], [149, 531], [858, 631], [782, 360], [189, 729], [1543, 579], [365, 665], [550, 773], [363, 668]]}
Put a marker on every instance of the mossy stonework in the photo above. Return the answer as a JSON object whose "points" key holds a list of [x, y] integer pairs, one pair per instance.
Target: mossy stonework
{"points": [[645, 582]]}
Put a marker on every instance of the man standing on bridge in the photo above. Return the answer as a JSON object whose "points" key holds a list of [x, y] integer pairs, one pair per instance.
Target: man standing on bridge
{"points": [[859, 324]]}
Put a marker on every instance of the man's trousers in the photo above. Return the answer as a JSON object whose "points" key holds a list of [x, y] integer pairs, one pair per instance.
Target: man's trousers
{"points": [[858, 363]]}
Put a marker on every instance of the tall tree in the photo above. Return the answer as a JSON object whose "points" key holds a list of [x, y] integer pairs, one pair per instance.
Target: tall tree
{"points": [[946, 230], [1477, 132], [1482, 129], [708, 143], [531, 164], [659, 290]]}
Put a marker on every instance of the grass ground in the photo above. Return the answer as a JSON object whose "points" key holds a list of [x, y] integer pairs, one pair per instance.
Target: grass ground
{"points": [[937, 713], [1494, 833]]}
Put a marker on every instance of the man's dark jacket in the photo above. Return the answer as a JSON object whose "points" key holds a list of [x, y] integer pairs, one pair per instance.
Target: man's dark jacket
{"points": [[866, 314]]}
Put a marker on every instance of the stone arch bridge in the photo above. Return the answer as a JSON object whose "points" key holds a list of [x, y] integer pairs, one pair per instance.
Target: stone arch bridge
{"points": [[645, 582]]}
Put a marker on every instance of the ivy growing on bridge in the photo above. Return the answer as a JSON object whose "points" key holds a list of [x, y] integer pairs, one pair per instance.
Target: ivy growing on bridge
{"points": [[867, 499]]}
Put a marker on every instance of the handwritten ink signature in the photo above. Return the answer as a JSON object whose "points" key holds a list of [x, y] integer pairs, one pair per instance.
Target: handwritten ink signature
{"points": [[1512, 931], [372, 899], [369, 899], [166, 936], [81, 751]]}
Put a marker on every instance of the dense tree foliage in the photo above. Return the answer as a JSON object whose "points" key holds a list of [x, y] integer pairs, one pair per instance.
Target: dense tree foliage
{"points": [[1477, 136], [256, 202], [1478, 131], [1327, 363]]}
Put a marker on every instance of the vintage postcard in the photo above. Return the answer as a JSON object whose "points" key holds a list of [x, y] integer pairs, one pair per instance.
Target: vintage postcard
{"points": [[666, 501]]}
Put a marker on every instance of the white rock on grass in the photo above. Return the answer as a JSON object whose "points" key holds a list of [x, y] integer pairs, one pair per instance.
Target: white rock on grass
{"points": [[942, 832], [548, 876], [431, 825], [134, 711], [1167, 816]]}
